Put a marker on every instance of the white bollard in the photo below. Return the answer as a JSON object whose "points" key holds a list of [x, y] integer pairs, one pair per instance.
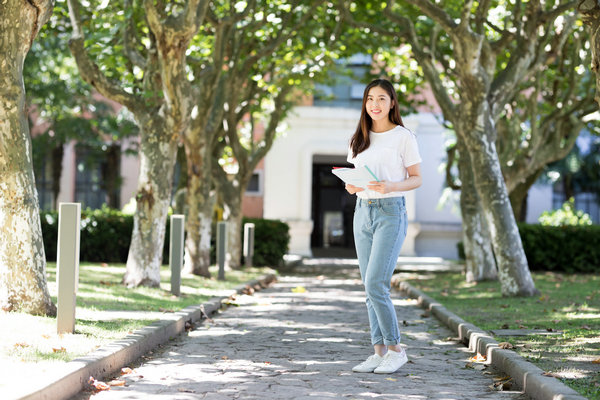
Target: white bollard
{"points": [[221, 248], [67, 265], [176, 252], [248, 243]]}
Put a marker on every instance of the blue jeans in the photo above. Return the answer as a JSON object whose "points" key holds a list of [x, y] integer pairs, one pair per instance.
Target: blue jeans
{"points": [[379, 231]]}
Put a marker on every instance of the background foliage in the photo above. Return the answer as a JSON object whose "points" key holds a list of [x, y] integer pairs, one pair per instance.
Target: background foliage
{"points": [[106, 234]]}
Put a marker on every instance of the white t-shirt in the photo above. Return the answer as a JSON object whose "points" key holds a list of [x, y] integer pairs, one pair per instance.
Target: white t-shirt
{"points": [[388, 155]]}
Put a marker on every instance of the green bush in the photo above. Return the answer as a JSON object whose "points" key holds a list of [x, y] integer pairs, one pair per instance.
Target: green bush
{"points": [[562, 248], [271, 241], [106, 234], [571, 248]]}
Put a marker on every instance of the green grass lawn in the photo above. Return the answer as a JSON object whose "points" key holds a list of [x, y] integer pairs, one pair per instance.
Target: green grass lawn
{"points": [[568, 304], [29, 338]]}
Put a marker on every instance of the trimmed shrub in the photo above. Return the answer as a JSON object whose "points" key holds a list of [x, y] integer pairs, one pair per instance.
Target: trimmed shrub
{"points": [[562, 248], [570, 249], [106, 235], [271, 241]]}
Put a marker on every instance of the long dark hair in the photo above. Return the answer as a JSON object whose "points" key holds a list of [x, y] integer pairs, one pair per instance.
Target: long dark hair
{"points": [[360, 140]]}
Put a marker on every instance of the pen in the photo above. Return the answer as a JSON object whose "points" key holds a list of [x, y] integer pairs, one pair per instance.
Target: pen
{"points": [[372, 174]]}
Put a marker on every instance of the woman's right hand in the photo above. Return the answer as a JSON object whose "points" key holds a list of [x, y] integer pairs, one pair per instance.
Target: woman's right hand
{"points": [[353, 189]]}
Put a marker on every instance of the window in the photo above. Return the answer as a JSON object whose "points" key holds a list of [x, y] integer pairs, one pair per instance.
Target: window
{"points": [[254, 187], [88, 180]]}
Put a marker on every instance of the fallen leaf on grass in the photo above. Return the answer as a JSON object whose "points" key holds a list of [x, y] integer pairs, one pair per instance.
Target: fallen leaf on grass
{"points": [[126, 371], [116, 382], [391, 379], [99, 385], [478, 358], [505, 345], [299, 289], [59, 350]]}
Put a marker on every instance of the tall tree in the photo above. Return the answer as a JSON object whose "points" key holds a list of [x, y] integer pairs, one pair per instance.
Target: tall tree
{"points": [[590, 14], [472, 84], [23, 285], [249, 141], [541, 123], [246, 48], [136, 56]]}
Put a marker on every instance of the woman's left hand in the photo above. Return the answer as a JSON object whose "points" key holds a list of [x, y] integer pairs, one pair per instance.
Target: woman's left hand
{"points": [[382, 187]]}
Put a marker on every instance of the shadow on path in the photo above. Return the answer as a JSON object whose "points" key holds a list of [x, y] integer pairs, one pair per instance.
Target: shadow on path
{"points": [[299, 340]]}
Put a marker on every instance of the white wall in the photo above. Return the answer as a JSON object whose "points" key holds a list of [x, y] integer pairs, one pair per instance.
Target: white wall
{"points": [[288, 166]]}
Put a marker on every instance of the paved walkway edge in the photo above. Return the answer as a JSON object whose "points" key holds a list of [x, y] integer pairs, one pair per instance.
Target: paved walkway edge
{"points": [[526, 375], [111, 358]]}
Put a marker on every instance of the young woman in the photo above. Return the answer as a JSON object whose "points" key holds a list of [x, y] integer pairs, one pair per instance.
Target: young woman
{"points": [[382, 143]]}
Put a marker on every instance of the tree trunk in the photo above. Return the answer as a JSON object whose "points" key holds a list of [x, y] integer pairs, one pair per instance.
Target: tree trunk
{"points": [[200, 205], [233, 216], [23, 285], [518, 196], [157, 159], [513, 271], [479, 257], [590, 15]]}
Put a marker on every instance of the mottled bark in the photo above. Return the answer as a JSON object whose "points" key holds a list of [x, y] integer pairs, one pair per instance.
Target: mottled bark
{"points": [[153, 196], [233, 193], [23, 284], [518, 196], [513, 271], [162, 111], [590, 14], [479, 257], [199, 204]]}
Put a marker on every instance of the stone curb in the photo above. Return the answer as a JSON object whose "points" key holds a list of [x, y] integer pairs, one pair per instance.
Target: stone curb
{"points": [[526, 375], [111, 358]]}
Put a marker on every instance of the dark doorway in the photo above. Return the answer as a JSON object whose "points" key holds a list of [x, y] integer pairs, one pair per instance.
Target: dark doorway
{"points": [[332, 211]]}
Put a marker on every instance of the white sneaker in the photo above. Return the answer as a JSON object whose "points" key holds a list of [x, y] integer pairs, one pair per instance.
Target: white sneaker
{"points": [[369, 364], [392, 361]]}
